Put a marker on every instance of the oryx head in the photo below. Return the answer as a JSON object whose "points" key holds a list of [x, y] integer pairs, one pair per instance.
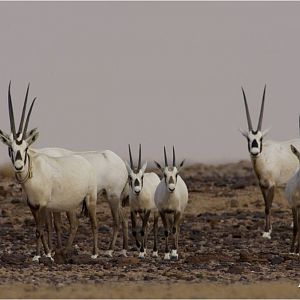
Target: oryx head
{"points": [[18, 142], [254, 137], [136, 175], [170, 172]]}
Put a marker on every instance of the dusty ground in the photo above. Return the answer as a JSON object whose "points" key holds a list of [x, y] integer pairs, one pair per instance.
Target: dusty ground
{"points": [[222, 253]]}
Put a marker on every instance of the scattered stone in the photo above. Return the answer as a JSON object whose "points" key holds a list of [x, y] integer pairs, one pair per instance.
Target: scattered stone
{"points": [[234, 203]]}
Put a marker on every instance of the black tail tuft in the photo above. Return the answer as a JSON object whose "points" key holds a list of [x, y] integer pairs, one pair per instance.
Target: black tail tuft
{"points": [[84, 209]]}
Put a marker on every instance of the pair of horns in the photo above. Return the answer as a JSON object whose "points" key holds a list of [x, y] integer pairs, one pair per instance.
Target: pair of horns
{"points": [[22, 130], [140, 157], [166, 159], [261, 111]]}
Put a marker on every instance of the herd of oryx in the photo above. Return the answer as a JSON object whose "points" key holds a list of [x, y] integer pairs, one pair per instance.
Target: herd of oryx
{"points": [[57, 180]]}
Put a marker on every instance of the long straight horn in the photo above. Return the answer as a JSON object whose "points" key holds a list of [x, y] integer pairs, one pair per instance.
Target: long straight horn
{"points": [[130, 157], [27, 119], [247, 112], [11, 114], [166, 159], [140, 157], [261, 111], [174, 159], [24, 110]]}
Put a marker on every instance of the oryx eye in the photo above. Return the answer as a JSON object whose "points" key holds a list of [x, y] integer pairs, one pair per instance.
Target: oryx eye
{"points": [[142, 177]]}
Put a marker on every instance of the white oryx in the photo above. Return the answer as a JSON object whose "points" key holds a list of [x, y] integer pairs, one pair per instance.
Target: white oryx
{"points": [[272, 161], [111, 177], [54, 183], [171, 198], [141, 199], [292, 192]]}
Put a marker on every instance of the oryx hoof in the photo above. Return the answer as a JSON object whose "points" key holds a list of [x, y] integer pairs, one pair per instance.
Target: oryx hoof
{"points": [[50, 256], [94, 256], [123, 252], [174, 254], [109, 253], [142, 255], [36, 258], [167, 256], [155, 254], [267, 235]]}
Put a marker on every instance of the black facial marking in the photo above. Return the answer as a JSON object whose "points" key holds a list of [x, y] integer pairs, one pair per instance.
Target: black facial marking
{"points": [[130, 180], [136, 182], [18, 156], [171, 180], [254, 144], [19, 142]]}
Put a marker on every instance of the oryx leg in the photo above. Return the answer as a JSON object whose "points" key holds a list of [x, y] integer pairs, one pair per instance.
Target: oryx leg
{"points": [[91, 201], [175, 232], [165, 223], [38, 238], [298, 224], [49, 228], [124, 230], [133, 228], [114, 207], [295, 229], [41, 221], [144, 233], [155, 230], [73, 220], [57, 226], [268, 194]]}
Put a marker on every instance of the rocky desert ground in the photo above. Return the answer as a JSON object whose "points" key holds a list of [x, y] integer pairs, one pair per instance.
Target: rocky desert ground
{"points": [[221, 255]]}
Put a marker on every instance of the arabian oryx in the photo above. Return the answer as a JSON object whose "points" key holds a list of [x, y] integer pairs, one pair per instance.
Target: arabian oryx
{"points": [[111, 181], [54, 183], [111, 178], [171, 198], [141, 199], [292, 192], [272, 161]]}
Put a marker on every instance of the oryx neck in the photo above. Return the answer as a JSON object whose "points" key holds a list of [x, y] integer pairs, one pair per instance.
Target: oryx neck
{"points": [[25, 174]]}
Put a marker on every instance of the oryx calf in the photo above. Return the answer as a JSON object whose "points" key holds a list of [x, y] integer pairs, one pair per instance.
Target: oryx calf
{"points": [[272, 161], [54, 183], [141, 199], [171, 198]]}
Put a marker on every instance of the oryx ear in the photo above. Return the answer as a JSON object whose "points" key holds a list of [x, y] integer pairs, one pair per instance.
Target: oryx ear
{"points": [[32, 136], [5, 138], [244, 133], [32, 131], [295, 151], [144, 167], [128, 167], [181, 165], [265, 132], [158, 166]]}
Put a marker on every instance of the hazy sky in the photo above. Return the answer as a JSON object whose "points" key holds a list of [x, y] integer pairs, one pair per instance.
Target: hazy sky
{"points": [[111, 73]]}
